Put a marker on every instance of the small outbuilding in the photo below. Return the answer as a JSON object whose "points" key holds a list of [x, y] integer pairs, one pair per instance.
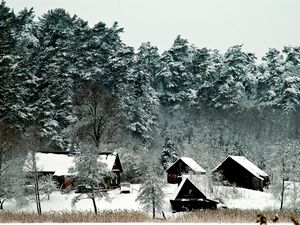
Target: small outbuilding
{"points": [[183, 166], [238, 170], [188, 197]]}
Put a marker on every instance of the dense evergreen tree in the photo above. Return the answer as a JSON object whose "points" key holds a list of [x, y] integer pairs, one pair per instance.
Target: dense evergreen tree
{"points": [[270, 78], [175, 79], [169, 153], [25, 72], [7, 61], [53, 108], [118, 71], [289, 92], [94, 47], [235, 86], [141, 101], [207, 65]]}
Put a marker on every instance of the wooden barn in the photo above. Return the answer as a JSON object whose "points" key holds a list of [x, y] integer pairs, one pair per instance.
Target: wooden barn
{"points": [[188, 197], [183, 166], [239, 171], [59, 163]]}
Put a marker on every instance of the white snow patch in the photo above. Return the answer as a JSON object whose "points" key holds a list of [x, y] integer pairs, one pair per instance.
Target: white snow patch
{"points": [[192, 164], [242, 198]]}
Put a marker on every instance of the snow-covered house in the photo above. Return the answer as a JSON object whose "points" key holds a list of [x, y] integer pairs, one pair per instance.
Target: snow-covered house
{"points": [[238, 170], [189, 197], [183, 166], [59, 163]]}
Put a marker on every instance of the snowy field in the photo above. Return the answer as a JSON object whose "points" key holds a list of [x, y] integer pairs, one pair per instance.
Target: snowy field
{"points": [[232, 197]]}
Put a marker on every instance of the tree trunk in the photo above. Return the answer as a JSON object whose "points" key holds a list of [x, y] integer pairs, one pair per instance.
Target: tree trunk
{"points": [[36, 186], [37, 197], [94, 201], [153, 203], [95, 206], [1, 205], [282, 194]]}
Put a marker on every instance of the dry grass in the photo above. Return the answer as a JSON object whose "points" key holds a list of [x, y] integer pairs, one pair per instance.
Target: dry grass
{"points": [[202, 216], [74, 217], [232, 216]]}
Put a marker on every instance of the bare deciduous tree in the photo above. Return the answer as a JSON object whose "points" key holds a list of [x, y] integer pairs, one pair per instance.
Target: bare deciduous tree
{"points": [[10, 170], [32, 143], [284, 161], [151, 194], [90, 173], [98, 113]]}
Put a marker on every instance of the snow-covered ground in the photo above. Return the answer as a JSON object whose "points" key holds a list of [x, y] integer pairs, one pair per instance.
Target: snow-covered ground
{"points": [[231, 197], [63, 202], [242, 198]]}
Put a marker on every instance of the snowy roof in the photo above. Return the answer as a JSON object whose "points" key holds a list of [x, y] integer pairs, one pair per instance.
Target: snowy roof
{"points": [[244, 162], [175, 195], [192, 164], [179, 188], [109, 160], [57, 163], [61, 163]]}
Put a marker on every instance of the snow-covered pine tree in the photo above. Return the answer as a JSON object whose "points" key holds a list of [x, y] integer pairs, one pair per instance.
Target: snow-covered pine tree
{"points": [[90, 172], [140, 102], [270, 78], [56, 66], [118, 71], [25, 78], [235, 87], [151, 194], [169, 153], [7, 60], [292, 55], [206, 68], [102, 46], [288, 97], [200, 63], [289, 92], [174, 80]]}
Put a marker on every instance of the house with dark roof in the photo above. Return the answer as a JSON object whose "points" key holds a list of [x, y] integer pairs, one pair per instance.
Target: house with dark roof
{"points": [[239, 171], [183, 166], [188, 197]]}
